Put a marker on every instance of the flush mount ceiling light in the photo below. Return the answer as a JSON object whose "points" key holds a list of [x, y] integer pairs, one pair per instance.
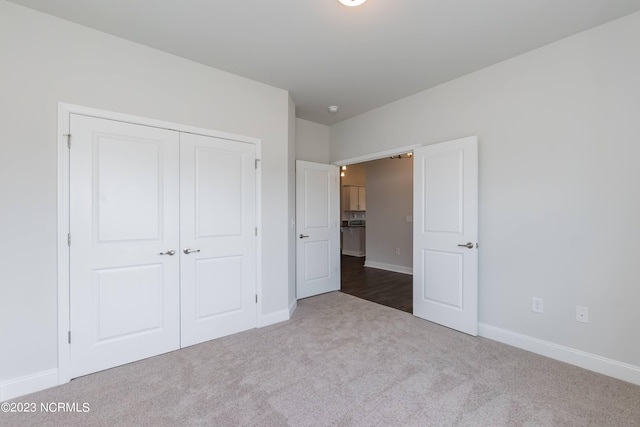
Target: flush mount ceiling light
{"points": [[333, 109], [352, 3]]}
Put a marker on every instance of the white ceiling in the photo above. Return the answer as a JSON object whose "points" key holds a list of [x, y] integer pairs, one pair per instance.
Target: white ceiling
{"points": [[327, 54]]}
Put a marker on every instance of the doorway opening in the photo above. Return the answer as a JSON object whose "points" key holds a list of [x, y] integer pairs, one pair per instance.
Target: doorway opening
{"points": [[444, 224], [376, 212]]}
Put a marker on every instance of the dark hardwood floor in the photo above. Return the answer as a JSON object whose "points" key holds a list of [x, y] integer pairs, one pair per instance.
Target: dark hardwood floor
{"points": [[380, 286]]}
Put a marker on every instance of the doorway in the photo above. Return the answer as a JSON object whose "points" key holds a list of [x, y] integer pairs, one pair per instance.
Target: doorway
{"points": [[445, 232], [377, 252]]}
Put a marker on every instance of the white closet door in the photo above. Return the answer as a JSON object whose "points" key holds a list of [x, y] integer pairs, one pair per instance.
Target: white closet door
{"points": [[218, 252], [123, 214]]}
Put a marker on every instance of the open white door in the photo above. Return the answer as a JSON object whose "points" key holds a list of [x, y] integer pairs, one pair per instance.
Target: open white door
{"points": [[445, 234], [318, 232]]}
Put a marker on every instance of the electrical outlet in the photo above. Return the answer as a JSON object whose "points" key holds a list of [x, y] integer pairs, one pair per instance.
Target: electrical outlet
{"points": [[537, 305], [582, 314], [398, 251]]}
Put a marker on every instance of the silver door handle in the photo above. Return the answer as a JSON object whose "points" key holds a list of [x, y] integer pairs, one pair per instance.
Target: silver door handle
{"points": [[170, 252], [190, 251], [467, 245], [302, 236]]}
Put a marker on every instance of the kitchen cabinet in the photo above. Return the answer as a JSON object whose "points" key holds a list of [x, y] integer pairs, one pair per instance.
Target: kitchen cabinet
{"points": [[355, 198], [353, 241]]}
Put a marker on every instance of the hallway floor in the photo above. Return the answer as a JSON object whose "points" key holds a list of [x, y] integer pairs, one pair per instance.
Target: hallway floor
{"points": [[380, 286]]}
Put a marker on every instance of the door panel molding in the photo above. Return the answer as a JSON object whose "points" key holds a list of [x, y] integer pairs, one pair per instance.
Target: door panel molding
{"points": [[65, 111]]}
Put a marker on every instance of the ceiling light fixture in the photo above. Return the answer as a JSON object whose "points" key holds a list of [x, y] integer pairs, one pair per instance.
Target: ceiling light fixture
{"points": [[352, 3], [333, 109]]}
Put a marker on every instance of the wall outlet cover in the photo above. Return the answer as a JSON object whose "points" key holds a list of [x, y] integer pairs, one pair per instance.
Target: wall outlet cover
{"points": [[537, 305]]}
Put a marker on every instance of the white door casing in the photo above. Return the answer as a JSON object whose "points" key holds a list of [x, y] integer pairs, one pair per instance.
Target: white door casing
{"points": [[124, 295], [445, 270], [218, 237], [317, 229]]}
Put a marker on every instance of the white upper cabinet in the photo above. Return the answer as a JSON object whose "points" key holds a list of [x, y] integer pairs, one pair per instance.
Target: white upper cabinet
{"points": [[355, 198]]}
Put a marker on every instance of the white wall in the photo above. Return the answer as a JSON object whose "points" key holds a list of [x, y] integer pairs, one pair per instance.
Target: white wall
{"points": [[559, 131], [312, 141], [46, 60], [389, 202]]}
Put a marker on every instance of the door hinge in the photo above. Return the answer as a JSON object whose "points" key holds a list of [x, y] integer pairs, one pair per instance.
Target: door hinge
{"points": [[256, 163], [68, 239], [68, 135], [256, 230], [69, 337], [256, 298]]}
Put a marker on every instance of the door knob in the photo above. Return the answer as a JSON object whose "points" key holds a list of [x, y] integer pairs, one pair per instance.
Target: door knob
{"points": [[302, 236], [170, 252], [190, 251], [467, 245]]}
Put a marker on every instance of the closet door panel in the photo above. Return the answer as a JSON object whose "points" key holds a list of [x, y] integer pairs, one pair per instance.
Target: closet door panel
{"points": [[124, 295], [218, 257]]}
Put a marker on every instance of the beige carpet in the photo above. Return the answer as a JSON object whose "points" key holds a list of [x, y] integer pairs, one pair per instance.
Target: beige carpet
{"points": [[343, 361]]}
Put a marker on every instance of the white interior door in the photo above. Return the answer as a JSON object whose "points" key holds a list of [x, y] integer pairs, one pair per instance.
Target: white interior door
{"points": [[218, 237], [124, 294], [318, 232], [445, 235]]}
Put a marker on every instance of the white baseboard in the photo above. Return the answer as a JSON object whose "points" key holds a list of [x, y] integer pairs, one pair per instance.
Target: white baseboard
{"points": [[359, 254], [389, 267], [273, 318], [592, 362], [292, 307], [28, 384]]}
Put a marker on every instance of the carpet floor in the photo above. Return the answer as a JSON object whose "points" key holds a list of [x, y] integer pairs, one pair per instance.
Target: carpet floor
{"points": [[342, 361]]}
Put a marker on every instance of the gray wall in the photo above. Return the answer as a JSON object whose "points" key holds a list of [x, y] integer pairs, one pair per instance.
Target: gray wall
{"points": [[46, 60], [389, 202], [312, 141], [559, 134], [355, 174], [291, 164]]}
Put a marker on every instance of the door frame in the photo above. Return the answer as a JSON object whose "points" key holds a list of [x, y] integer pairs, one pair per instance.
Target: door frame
{"points": [[367, 158], [63, 215]]}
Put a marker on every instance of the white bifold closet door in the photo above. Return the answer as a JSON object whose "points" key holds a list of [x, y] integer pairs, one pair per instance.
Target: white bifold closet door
{"points": [[139, 198]]}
